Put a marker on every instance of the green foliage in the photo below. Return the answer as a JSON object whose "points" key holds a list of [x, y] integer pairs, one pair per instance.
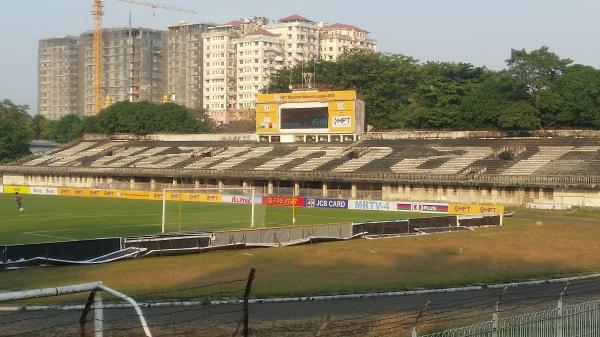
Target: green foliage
{"points": [[519, 115], [400, 92], [144, 118], [573, 100], [16, 130], [536, 69]]}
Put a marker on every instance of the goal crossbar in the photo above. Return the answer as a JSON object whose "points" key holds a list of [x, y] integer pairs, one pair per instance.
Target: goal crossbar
{"points": [[209, 190]]}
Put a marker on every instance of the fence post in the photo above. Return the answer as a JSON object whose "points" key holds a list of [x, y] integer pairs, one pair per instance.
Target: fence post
{"points": [[86, 310], [98, 314], [246, 297], [419, 315], [495, 315], [559, 312]]}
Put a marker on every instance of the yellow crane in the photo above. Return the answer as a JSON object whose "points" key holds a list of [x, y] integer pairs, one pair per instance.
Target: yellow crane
{"points": [[97, 12]]}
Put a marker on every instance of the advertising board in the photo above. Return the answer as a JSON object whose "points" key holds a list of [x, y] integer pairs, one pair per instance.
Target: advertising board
{"points": [[422, 207], [283, 201], [314, 112], [371, 205], [466, 209], [14, 189], [42, 190], [325, 203], [194, 197], [240, 199]]}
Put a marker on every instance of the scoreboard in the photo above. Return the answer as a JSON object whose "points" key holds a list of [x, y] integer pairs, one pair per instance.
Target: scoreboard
{"points": [[310, 112]]}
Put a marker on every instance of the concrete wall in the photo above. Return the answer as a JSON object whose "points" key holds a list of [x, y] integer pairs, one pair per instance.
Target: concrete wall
{"points": [[511, 196]]}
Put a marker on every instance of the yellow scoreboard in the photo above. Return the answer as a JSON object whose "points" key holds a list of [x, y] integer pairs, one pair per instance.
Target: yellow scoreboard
{"points": [[310, 112]]}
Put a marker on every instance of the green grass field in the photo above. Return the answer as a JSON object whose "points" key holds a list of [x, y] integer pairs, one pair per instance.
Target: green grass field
{"points": [[53, 218]]}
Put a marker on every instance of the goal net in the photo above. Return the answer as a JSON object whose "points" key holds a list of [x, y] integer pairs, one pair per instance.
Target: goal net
{"points": [[209, 209]]}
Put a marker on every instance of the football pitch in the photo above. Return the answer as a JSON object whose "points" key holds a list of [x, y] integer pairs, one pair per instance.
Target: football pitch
{"points": [[54, 218]]}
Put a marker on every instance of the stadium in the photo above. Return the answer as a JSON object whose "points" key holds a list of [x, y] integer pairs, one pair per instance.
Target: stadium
{"points": [[309, 174]]}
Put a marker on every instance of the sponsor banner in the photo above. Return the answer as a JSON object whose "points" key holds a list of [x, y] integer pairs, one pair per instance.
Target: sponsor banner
{"points": [[421, 207], [325, 203], [14, 189], [240, 199], [475, 209], [41, 190], [136, 195], [195, 197], [283, 201], [74, 192], [103, 193], [1, 189], [372, 205]]}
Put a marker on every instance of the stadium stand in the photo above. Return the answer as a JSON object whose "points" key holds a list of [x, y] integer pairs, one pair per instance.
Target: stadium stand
{"points": [[512, 169]]}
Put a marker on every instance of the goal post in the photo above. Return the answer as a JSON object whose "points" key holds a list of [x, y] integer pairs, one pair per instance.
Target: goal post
{"points": [[211, 208]]}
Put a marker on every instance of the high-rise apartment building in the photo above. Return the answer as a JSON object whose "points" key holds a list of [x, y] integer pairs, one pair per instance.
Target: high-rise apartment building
{"points": [[201, 66], [185, 64], [259, 55], [220, 70], [57, 76], [132, 68], [300, 38], [338, 38]]}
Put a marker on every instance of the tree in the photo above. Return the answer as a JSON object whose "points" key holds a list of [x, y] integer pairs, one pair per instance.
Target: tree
{"points": [[144, 118], [536, 69], [68, 128], [14, 139], [519, 115], [43, 127], [482, 106], [16, 130], [573, 100]]}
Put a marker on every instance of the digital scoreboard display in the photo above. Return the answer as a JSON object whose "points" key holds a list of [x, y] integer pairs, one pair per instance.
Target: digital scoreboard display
{"points": [[305, 118]]}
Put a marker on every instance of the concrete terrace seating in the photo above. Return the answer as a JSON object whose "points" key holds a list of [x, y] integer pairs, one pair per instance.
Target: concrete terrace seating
{"points": [[125, 161], [330, 154], [301, 152], [370, 155], [75, 158], [545, 155], [61, 154], [208, 161], [254, 153], [120, 159]]}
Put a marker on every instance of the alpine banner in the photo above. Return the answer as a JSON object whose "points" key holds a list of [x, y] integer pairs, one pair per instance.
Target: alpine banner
{"points": [[240, 199]]}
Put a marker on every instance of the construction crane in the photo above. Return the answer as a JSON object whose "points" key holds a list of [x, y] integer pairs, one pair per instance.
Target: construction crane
{"points": [[97, 13]]}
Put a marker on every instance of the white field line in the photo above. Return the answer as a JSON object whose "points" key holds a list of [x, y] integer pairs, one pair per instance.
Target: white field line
{"points": [[74, 216], [49, 236]]}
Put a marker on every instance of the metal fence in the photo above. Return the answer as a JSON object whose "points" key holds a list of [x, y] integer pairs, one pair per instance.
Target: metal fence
{"points": [[578, 320]]}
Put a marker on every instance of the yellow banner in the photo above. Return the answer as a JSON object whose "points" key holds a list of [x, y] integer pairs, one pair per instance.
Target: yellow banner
{"points": [[137, 195], [466, 209], [74, 192], [307, 96], [194, 197], [15, 189]]}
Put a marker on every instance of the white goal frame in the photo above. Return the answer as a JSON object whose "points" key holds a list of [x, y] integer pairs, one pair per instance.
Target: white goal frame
{"points": [[220, 190]]}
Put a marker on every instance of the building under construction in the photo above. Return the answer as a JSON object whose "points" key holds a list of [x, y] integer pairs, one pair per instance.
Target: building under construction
{"points": [[132, 69]]}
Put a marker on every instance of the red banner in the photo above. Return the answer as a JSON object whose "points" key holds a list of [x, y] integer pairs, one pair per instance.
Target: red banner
{"points": [[283, 201]]}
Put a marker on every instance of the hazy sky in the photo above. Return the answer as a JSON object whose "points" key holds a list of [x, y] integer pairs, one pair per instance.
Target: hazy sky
{"points": [[481, 32]]}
